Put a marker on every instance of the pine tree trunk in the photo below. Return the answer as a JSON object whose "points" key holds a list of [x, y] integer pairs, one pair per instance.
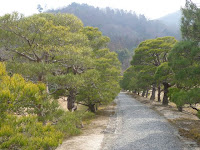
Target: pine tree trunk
{"points": [[92, 108], [143, 93], [180, 108], [147, 93], [165, 98], [153, 93], [159, 93], [39, 78], [96, 106], [71, 99]]}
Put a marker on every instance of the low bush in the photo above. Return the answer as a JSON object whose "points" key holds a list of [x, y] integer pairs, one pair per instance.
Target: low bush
{"points": [[30, 119], [27, 133]]}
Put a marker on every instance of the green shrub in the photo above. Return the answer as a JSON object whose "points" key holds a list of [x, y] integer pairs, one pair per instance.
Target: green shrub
{"points": [[87, 116], [27, 133], [68, 123]]}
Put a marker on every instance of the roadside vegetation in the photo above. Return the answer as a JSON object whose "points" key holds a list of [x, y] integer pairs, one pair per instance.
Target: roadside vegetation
{"points": [[171, 67], [29, 119], [45, 57]]}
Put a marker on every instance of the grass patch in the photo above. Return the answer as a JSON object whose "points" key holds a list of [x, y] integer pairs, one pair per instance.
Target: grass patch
{"points": [[106, 110], [192, 134], [188, 128], [27, 133]]}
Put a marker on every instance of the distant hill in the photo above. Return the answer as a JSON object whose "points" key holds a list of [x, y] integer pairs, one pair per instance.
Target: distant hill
{"points": [[172, 19], [173, 22], [125, 29]]}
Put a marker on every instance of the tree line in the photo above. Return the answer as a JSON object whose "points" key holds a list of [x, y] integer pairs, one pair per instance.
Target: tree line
{"points": [[169, 66], [44, 57], [126, 29]]}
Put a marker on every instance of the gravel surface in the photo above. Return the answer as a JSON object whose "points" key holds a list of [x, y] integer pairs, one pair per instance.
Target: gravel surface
{"points": [[136, 127]]}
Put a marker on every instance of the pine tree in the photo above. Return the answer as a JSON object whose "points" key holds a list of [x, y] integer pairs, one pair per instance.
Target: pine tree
{"points": [[190, 22], [149, 55], [184, 59]]}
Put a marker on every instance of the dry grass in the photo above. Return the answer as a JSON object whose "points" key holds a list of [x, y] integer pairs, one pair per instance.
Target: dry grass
{"points": [[106, 110], [189, 128]]}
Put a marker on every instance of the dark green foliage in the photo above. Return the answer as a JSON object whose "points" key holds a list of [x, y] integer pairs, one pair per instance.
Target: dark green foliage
{"points": [[190, 23], [124, 56], [150, 63], [56, 49], [72, 60], [181, 97], [128, 78], [163, 73], [104, 86], [125, 29], [184, 61]]}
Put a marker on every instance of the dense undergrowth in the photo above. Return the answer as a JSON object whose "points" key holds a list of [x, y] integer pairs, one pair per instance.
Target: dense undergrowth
{"points": [[27, 133], [30, 119]]}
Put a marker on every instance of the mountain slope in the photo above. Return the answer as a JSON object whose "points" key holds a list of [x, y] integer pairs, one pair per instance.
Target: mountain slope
{"points": [[173, 22], [125, 29], [172, 19]]}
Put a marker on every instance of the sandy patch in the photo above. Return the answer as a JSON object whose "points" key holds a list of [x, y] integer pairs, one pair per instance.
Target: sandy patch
{"points": [[90, 139], [92, 134], [63, 103]]}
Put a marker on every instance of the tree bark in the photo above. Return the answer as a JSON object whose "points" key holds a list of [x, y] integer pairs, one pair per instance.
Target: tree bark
{"points": [[39, 78], [165, 98], [159, 93], [143, 93], [180, 108], [71, 100], [153, 93], [147, 93], [96, 106], [92, 108]]}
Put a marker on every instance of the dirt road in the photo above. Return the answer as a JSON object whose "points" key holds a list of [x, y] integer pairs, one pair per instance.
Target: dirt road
{"points": [[136, 127]]}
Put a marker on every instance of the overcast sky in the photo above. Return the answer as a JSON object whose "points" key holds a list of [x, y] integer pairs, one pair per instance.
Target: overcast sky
{"points": [[152, 9]]}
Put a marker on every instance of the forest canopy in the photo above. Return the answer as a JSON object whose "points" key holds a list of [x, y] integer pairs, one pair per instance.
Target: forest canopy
{"points": [[126, 29], [46, 57]]}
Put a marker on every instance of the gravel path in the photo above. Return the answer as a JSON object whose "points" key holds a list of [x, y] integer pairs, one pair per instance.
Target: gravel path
{"points": [[136, 127]]}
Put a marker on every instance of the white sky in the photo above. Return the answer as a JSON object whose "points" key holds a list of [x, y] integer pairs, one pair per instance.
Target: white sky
{"points": [[152, 9]]}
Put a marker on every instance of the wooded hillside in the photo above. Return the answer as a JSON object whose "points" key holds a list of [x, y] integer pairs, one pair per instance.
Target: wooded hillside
{"points": [[125, 29]]}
